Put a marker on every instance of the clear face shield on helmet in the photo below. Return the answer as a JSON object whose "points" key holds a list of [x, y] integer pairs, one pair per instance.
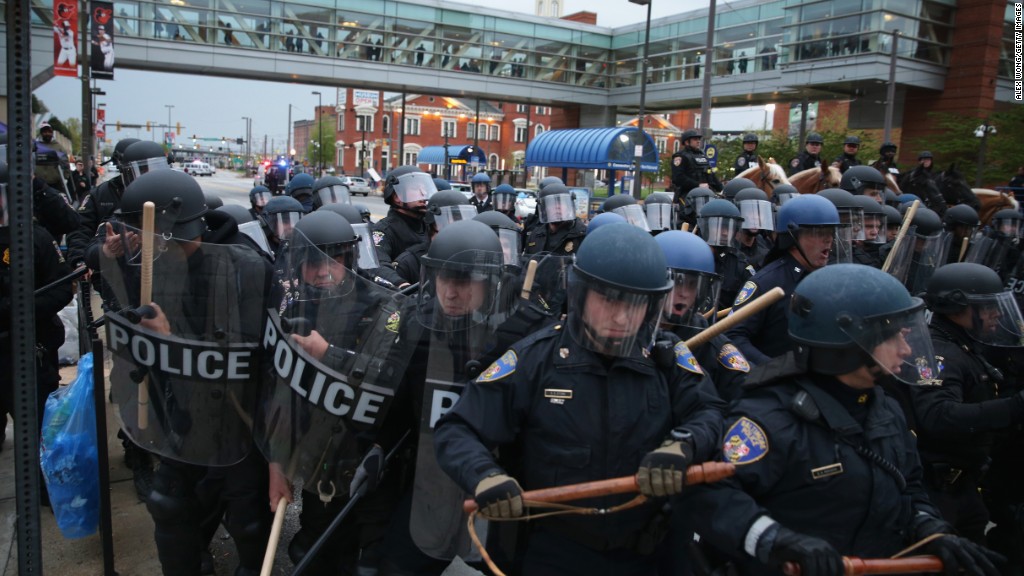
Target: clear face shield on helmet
{"points": [[414, 187], [692, 293], [367, 253], [854, 218], [697, 203], [503, 202], [127, 238], [319, 272], [510, 247], [996, 319], [784, 197], [260, 199], [634, 214], [140, 167], [874, 229], [719, 230], [929, 252], [757, 215], [611, 321], [336, 194], [659, 216], [900, 344], [445, 215], [1010, 227], [990, 250], [556, 208], [281, 224], [464, 291], [842, 245]]}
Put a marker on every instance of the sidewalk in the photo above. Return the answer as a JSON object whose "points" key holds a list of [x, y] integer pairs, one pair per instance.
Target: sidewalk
{"points": [[134, 549]]}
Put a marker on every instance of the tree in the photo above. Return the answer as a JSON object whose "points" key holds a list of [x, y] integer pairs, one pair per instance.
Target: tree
{"points": [[74, 134], [956, 143], [322, 152]]}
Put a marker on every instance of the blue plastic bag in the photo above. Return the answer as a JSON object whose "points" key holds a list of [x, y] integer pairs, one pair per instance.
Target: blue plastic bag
{"points": [[68, 454]]}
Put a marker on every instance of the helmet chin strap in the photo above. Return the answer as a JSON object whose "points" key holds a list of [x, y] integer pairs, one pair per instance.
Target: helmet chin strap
{"points": [[796, 243]]}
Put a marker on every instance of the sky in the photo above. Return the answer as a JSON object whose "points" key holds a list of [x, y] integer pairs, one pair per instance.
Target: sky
{"points": [[215, 106]]}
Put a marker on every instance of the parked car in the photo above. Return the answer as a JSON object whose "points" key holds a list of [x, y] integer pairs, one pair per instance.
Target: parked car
{"points": [[526, 202], [466, 189], [356, 185], [197, 168]]}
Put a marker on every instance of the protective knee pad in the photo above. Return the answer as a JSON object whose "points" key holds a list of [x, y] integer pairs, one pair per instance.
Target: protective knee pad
{"points": [[167, 509]]}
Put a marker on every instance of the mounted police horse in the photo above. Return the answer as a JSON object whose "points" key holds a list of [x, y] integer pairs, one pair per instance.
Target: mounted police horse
{"points": [[814, 180], [766, 175]]}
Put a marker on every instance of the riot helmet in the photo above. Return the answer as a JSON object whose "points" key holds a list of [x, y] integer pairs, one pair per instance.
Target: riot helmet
{"points": [[617, 286], [814, 138], [180, 208], [973, 297], [851, 215], [689, 135], [142, 157], [441, 184], [626, 206], [874, 219], [887, 148], [603, 219], [548, 180], [300, 187], [258, 197], [280, 216], [448, 206], [508, 234], [851, 141], [658, 208], [409, 187], [117, 157], [755, 209], [925, 154], [849, 316], [330, 190], [1007, 222], [212, 201], [962, 220], [322, 253], [719, 221], [890, 198], [735, 185], [503, 198], [461, 278], [903, 201], [364, 211], [863, 180], [695, 284], [555, 203], [236, 212], [808, 223], [696, 199], [481, 183], [367, 252], [750, 137], [784, 193], [893, 221], [924, 251]]}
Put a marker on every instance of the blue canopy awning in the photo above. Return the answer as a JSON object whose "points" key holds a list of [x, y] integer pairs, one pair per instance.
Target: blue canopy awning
{"points": [[596, 148], [457, 154]]}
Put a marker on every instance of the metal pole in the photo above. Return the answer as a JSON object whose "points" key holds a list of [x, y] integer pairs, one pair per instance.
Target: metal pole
{"points": [[639, 147], [401, 135], [87, 107], [447, 161], [981, 153], [705, 95], [168, 106], [803, 123], [319, 132], [890, 98], [22, 282], [288, 146]]}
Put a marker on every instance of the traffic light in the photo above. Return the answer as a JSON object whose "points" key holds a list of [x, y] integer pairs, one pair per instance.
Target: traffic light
{"points": [[238, 141], [149, 125], [178, 129]]}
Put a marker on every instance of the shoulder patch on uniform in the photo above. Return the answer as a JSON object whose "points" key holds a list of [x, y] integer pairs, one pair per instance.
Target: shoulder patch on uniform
{"points": [[502, 367], [731, 357], [377, 237], [745, 442], [685, 359], [924, 372], [741, 161], [750, 268], [940, 364], [7, 256], [794, 162], [394, 320], [745, 293]]}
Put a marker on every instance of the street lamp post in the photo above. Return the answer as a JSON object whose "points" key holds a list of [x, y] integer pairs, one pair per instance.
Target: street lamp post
{"points": [[319, 131], [768, 109], [447, 160], [245, 149], [168, 133], [982, 132], [638, 149]]}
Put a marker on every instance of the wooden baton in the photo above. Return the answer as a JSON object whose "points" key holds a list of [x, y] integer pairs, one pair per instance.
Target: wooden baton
{"points": [[275, 536], [853, 566], [696, 474], [531, 272], [963, 249], [756, 305], [146, 296], [907, 219]]}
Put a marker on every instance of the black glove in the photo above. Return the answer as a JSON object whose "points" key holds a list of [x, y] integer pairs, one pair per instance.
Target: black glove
{"points": [[369, 472], [663, 471], [815, 556], [499, 496], [959, 553]]}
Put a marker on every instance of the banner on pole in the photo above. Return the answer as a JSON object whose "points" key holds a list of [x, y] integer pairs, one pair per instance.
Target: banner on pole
{"points": [[101, 60], [65, 38], [101, 124]]}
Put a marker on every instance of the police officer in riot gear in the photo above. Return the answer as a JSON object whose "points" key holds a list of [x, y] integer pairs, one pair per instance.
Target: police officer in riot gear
{"points": [[748, 157], [886, 164], [443, 208], [558, 230], [719, 222], [806, 229], [626, 206], [481, 184], [735, 185], [330, 190], [812, 430], [784, 193], [660, 212], [98, 206], [189, 500], [692, 202], [962, 222], [848, 158], [957, 422], [406, 190], [300, 187], [690, 167], [752, 240], [851, 226], [595, 364], [863, 180], [503, 199], [279, 218], [258, 198], [866, 250], [810, 157]]}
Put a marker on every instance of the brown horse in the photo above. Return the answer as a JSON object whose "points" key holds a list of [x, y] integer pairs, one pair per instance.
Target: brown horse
{"points": [[814, 180], [766, 175], [992, 201]]}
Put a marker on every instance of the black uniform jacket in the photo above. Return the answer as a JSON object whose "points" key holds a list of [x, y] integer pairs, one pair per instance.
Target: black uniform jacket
{"points": [[765, 335]]}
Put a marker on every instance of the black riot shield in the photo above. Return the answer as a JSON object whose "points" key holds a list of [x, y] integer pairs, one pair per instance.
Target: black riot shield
{"points": [[185, 372], [918, 257], [457, 342], [335, 359]]}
